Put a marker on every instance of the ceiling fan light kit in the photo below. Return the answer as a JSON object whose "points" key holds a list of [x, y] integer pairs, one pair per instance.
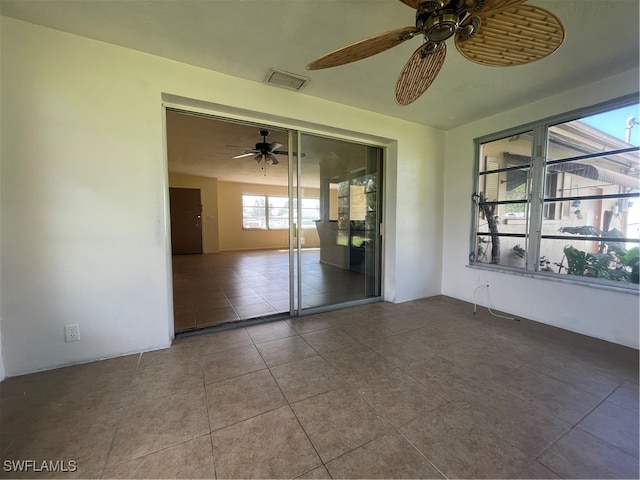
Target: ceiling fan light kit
{"points": [[264, 153], [497, 33]]}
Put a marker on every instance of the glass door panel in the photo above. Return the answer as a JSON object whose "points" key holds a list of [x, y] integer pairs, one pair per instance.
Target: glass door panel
{"points": [[338, 216]]}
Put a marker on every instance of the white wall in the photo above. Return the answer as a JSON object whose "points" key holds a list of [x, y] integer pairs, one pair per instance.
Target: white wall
{"points": [[603, 314], [84, 186]]}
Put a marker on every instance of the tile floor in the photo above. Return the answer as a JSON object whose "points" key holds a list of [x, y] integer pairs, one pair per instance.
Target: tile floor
{"points": [[423, 389], [224, 287]]}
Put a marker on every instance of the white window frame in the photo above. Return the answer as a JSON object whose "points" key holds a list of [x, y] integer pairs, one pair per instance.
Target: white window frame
{"points": [[536, 201], [268, 212]]}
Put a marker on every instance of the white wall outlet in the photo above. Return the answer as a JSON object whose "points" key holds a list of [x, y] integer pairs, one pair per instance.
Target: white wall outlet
{"points": [[72, 333]]}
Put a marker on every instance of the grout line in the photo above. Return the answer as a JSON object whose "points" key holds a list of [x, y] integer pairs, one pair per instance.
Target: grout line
{"points": [[575, 425], [288, 404]]}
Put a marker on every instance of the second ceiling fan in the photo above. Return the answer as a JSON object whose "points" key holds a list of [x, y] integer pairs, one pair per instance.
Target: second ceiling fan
{"points": [[264, 153], [497, 33]]}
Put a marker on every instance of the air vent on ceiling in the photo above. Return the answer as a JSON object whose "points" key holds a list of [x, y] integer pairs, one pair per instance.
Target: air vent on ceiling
{"points": [[288, 80]]}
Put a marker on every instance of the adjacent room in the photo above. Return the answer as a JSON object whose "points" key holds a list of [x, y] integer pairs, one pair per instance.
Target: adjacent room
{"points": [[239, 241], [254, 235]]}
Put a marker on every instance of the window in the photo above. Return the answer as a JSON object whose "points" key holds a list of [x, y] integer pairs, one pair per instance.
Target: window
{"points": [[562, 197], [272, 212]]}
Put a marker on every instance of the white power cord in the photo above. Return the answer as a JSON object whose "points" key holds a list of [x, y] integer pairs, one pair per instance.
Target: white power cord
{"points": [[475, 304]]}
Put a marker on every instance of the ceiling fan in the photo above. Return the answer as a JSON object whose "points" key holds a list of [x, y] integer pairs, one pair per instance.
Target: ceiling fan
{"points": [[497, 33], [264, 153]]}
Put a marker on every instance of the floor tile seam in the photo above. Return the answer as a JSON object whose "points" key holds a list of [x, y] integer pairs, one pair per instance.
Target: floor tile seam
{"points": [[531, 366], [306, 434], [635, 412], [271, 304], [291, 362], [635, 453], [342, 377], [40, 428], [206, 403], [299, 400], [565, 351], [90, 383], [534, 456], [8, 447], [354, 338], [523, 396], [312, 469], [421, 453], [600, 402], [272, 409], [379, 411], [245, 374], [267, 299], [220, 352], [113, 438], [147, 397], [166, 447], [173, 364], [321, 329], [228, 300], [325, 462], [574, 425], [235, 376], [274, 339]]}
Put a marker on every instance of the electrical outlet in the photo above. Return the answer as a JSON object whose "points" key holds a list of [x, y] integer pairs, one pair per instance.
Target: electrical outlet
{"points": [[72, 333]]}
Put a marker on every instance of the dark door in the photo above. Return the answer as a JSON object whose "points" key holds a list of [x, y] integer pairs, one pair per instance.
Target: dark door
{"points": [[186, 220]]}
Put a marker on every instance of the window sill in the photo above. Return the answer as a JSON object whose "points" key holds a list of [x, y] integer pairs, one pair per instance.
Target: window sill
{"points": [[600, 284]]}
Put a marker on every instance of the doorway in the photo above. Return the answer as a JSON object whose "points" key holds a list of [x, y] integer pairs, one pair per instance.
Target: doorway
{"points": [[283, 234]]}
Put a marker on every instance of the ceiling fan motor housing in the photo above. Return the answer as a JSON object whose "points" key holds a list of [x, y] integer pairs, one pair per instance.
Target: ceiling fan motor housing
{"points": [[439, 19], [438, 28]]}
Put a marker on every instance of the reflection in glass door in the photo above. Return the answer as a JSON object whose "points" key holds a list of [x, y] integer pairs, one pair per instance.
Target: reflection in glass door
{"points": [[337, 220]]}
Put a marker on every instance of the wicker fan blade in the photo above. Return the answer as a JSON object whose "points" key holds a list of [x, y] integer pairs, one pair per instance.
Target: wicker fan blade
{"points": [[492, 6], [514, 36], [418, 74], [412, 3], [274, 145], [364, 48]]}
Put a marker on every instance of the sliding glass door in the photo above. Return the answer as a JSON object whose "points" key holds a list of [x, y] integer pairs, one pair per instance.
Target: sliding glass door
{"points": [[336, 191]]}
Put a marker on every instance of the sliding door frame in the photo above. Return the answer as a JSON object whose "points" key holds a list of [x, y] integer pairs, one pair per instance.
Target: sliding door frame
{"points": [[295, 128]]}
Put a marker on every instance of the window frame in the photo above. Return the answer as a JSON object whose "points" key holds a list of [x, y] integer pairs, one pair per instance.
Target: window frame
{"points": [[267, 211], [536, 202]]}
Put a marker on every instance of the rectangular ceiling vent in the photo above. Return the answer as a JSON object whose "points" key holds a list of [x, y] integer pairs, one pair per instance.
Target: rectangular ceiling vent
{"points": [[288, 80]]}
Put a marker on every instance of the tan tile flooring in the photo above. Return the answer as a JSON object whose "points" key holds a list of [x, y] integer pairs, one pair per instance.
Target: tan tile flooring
{"points": [[229, 286], [422, 389]]}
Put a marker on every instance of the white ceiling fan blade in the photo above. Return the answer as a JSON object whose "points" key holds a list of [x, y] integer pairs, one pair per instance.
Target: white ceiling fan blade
{"points": [[242, 155], [274, 145]]}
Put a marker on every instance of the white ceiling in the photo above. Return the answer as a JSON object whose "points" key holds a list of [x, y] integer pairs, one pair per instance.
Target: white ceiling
{"points": [[205, 147], [246, 38]]}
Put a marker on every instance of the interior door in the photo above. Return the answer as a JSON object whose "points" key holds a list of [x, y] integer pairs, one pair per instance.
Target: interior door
{"points": [[186, 220], [338, 217]]}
